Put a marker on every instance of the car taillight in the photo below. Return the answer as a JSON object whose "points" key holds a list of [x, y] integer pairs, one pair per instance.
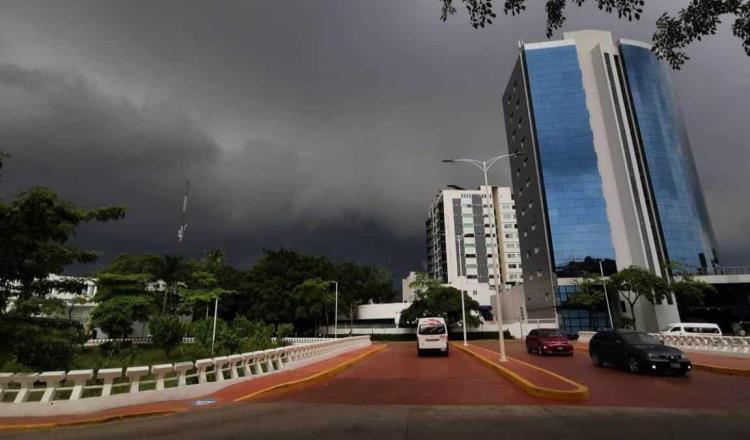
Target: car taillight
{"points": [[443, 336]]}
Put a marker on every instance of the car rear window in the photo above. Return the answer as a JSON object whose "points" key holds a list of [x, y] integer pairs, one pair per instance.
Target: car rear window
{"points": [[431, 329], [639, 338], [550, 332]]}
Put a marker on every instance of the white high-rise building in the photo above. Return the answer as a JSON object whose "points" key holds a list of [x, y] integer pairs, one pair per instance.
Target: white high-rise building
{"points": [[462, 226]]}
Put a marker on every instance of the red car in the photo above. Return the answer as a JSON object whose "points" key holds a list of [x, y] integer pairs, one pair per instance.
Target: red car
{"points": [[548, 341]]}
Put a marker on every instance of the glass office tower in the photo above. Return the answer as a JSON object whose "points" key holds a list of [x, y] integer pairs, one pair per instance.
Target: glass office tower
{"points": [[607, 175]]}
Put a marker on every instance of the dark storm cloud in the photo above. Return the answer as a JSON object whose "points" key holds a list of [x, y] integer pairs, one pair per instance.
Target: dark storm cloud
{"points": [[317, 125]]}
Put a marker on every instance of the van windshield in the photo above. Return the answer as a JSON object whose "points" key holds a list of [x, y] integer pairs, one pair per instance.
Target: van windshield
{"points": [[431, 329]]}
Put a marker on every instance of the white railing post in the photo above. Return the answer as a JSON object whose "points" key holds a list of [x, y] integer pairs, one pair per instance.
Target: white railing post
{"points": [[135, 374], [219, 363], [5, 378], [52, 379], [181, 368], [201, 365], [26, 381], [108, 375], [160, 371], [79, 378], [233, 361]]}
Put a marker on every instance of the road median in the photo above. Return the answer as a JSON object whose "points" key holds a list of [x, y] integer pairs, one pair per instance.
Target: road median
{"points": [[533, 380]]}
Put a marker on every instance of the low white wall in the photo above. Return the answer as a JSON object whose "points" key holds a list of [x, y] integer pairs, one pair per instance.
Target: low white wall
{"points": [[240, 368]]}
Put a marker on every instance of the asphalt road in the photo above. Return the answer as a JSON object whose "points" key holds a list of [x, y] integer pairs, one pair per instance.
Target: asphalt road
{"points": [[381, 422]]}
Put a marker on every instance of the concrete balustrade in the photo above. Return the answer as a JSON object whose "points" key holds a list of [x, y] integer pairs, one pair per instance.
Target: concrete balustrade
{"points": [[171, 381], [135, 374], [725, 344], [52, 380], [108, 375]]}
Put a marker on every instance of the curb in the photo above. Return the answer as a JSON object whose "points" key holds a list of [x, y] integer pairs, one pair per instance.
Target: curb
{"points": [[321, 375], [581, 392], [716, 369], [95, 420]]}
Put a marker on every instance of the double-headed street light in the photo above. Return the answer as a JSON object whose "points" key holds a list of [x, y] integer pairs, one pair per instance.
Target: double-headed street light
{"points": [[485, 166]]}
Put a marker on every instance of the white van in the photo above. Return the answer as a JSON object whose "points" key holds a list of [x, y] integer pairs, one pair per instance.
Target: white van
{"points": [[691, 328], [432, 334]]}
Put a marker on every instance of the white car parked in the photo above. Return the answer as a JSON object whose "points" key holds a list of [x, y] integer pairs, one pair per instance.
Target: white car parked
{"points": [[691, 328], [432, 334]]}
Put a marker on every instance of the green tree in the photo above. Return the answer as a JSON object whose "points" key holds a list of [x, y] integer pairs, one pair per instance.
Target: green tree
{"points": [[167, 332], [634, 283], [697, 20], [116, 316], [443, 302], [423, 282], [312, 299], [35, 232], [689, 291], [589, 296]]}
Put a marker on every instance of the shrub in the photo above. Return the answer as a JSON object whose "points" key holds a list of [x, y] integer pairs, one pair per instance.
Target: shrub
{"points": [[283, 331]]}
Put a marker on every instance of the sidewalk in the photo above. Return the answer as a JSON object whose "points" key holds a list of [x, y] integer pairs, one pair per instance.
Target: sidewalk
{"points": [[233, 393]]}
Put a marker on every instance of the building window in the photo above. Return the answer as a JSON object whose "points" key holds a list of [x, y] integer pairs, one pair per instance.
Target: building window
{"points": [[533, 226], [536, 249], [528, 182], [623, 308]]}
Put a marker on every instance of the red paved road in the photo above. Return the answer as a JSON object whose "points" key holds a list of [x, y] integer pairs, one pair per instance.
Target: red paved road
{"points": [[613, 387], [397, 376]]}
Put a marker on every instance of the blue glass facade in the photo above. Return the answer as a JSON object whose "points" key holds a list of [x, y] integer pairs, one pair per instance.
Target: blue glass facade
{"points": [[685, 227], [578, 225], [573, 320]]}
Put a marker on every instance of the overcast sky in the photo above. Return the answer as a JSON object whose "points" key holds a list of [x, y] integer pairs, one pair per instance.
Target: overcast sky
{"points": [[317, 125]]}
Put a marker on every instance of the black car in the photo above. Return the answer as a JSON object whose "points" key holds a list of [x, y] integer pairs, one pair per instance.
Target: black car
{"points": [[637, 351]]}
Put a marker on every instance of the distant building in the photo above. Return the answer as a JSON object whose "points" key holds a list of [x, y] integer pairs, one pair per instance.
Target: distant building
{"points": [[607, 175], [460, 237], [408, 293]]}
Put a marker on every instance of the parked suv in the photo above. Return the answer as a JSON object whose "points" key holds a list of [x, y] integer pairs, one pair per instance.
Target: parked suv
{"points": [[548, 341], [637, 351]]}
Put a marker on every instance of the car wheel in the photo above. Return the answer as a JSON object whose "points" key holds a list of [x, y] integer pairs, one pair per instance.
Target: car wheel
{"points": [[540, 351], [447, 350], [634, 366], [596, 360], [419, 352], [528, 348]]}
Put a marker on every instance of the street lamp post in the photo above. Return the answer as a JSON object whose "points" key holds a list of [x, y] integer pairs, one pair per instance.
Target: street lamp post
{"points": [[606, 296], [213, 336], [336, 311], [485, 166], [459, 240]]}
